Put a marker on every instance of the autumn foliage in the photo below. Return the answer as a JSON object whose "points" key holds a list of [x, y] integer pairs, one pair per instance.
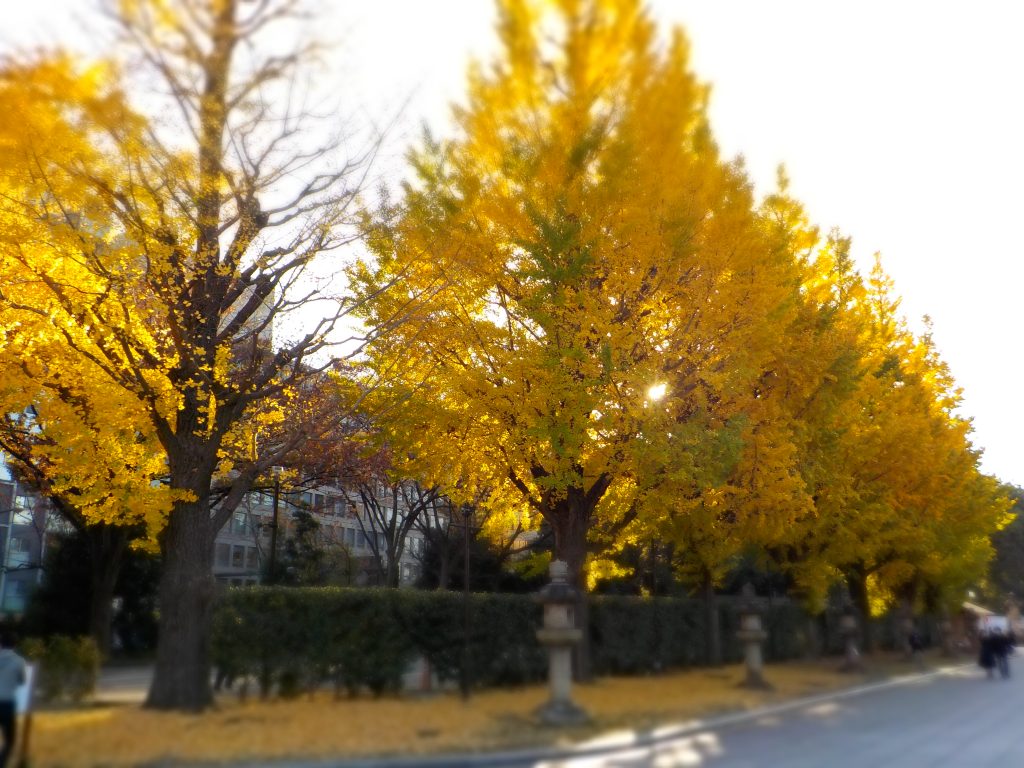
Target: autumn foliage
{"points": [[615, 337], [577, 313]]}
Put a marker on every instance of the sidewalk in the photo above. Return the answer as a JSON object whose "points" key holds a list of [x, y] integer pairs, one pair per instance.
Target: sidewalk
{"points": [[494, 728], [620, 743]]}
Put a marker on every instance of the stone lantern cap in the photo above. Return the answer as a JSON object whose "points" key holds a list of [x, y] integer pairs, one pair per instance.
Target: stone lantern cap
{"points": [[751, 609], [559, 591], [557, 598], [848, 620], [750, 603], [556, 594]]}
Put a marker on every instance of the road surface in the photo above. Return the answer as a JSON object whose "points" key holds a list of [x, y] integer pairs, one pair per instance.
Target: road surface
{"points": [[954, 718]]}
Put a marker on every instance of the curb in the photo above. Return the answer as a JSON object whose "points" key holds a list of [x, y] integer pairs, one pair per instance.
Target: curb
{"points": [[610, 743]]}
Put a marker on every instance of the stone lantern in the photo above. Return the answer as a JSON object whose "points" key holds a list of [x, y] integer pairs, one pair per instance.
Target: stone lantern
{"points": [[752, 634], [558, 634], [849, 631]]}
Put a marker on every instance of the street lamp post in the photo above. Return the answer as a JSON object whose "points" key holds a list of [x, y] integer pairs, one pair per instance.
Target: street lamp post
{"points": [[466, 512], [272, 564]]}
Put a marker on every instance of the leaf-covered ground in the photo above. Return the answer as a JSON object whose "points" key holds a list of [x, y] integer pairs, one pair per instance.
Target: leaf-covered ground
{"points": [[123, 735]]}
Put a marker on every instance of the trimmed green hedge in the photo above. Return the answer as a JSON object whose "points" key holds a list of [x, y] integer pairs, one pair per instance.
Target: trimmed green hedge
{"points": [[68, 666], [295, 638]]}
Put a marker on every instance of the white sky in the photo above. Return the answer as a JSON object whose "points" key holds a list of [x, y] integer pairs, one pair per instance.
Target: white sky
{"points": [[902, 123]]}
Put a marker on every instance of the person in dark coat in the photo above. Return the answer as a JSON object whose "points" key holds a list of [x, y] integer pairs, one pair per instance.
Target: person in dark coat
{"points": [[916, 644], [1001, 651], [986, 654], [12, 674]]}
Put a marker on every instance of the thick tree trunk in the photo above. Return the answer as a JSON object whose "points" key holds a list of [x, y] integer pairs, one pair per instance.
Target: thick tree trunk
{"points": [[905, 620], [444, 569], [570, 524], [857, 583], [394, 573], [181, 679], [101, 612], [815, 636], [107, 546], [712, 624]]}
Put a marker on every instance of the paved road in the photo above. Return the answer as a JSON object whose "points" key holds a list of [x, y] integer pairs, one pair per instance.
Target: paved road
{"points": [[954, 718]]}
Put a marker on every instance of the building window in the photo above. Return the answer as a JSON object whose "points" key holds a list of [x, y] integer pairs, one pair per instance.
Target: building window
{"points": [[222, 556], [350, 536], [15, 595], [237, 556], [251, 558], [360, 540], [239, 524]]}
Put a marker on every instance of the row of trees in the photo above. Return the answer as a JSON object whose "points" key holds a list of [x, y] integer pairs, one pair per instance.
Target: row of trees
{"points": [[613, 336], [575, 314]]}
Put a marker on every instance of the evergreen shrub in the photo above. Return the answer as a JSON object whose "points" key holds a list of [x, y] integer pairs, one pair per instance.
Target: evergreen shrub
{"points": [[294, 638], [68, 667]]}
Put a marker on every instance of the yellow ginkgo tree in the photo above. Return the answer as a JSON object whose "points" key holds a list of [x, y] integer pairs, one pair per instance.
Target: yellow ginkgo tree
{"points": [[63, 428], [590, 280], [903, 510], [162, 219]]}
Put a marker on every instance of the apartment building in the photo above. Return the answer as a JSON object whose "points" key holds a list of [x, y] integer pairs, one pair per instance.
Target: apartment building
{"points": [[26, 519], [241, 551], [346, 532]]}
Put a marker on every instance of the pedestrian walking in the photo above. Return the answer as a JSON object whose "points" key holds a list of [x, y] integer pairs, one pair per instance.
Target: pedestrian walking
{"points": [[12, 674], [916, 644], [986, 654], [1001, 650]]}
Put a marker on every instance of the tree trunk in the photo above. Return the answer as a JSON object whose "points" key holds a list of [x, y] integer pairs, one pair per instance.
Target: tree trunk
{"points": [[857, 583], [444, 567], [107, 546], [181, 679], [570, 523], [905, 619], [815, 637], [713, 628]]}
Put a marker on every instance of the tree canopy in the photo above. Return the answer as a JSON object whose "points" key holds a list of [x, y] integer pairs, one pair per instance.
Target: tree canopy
{"points": [[159, 221], [613, 335], [583, 315]]}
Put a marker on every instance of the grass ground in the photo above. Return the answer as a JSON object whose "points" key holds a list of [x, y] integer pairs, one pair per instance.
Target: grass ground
{"points": [[321, 727]]}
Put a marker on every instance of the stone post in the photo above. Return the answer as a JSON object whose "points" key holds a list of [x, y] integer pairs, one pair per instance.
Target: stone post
{"points": [[752, 634], [848, 629], [559, 636]]}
